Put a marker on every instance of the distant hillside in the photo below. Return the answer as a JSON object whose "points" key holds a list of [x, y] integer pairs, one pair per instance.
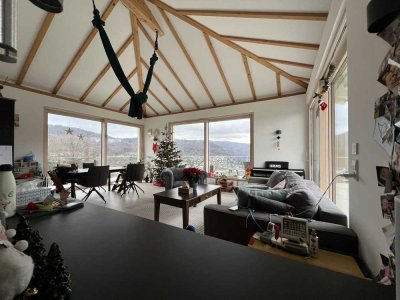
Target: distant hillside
{"points": [[195, 148]]}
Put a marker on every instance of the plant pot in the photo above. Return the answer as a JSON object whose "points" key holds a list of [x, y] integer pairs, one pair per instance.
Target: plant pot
{"points": [[193, 184]]}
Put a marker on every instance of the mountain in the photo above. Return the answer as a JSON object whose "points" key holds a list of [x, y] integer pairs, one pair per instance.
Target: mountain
{"points": [[196, 148]]}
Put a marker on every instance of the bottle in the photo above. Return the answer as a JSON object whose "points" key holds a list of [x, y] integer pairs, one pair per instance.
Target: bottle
{"points": [[8, 188], [314, 247]]}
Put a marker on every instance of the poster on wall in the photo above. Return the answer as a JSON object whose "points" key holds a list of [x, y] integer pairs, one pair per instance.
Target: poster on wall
{"points": [[389, 71], [391, 34], [388, 106], [387, 206], [389, 233], [384, 134]]}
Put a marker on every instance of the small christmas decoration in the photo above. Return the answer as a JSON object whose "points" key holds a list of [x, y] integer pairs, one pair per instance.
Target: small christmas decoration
{"points": [[58, 285], [167, 155]]}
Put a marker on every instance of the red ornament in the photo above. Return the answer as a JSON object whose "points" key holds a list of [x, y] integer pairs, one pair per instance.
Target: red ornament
{"points": [[322, 104], [155, 147]]}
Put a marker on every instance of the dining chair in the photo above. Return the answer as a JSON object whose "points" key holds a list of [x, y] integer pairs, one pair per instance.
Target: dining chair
{"points": [[87, 166], [95, 178], [134, 172]]}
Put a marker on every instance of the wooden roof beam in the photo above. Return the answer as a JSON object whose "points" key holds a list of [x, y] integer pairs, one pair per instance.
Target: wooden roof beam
{"points": [[304, 16], [221, 71], [152, 108], [143, 13], [171, 69], [159, 101], [164, 87], [273, 42], [147, 105], [278, 84], [83, 48], [105, 70], [118, 88], [35, 47], [187, 55], [248, 73], [289, 63], [227, 42]]}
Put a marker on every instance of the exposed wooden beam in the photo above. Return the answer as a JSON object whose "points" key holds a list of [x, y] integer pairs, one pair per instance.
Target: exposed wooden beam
{"points": [[164, 87], [118, 88], [159, 101], [171, 69], [227, 42], [83, 48], [239, 103], [152, 108], [187, 55], [136, 46], [278, 84], [289, 63], [147, 106], [125, 105], [257, 14], [272, 42], [248, 73], [143, 13], [49, 94], [221, 71], [105, 69], [303, 78], [35, 47]]}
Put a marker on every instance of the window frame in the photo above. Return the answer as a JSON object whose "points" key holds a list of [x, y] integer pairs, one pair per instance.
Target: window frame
{"points": [[104, 138], [206, 122]]}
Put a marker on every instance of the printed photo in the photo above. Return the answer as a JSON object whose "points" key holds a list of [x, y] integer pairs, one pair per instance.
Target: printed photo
{"points": [[384, 134], [389, 232], [391, 34], [383, 174], [387, 206], [389, 71]]}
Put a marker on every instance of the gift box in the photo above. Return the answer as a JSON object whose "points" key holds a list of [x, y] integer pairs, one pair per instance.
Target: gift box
{"points": [[25, 197]]}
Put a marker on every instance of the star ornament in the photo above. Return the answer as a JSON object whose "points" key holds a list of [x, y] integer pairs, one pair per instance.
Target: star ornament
{"points": [[80, 136], [68, 131]]}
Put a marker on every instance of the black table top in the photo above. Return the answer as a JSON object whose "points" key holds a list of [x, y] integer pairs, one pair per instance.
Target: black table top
{"points": [[113, 255]]}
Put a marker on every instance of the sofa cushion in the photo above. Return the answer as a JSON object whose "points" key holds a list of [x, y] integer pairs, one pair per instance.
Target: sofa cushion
{"points": [[243, 194], [275, 178], [292, 179], [304, 201], [268, 205], [178, 173]]}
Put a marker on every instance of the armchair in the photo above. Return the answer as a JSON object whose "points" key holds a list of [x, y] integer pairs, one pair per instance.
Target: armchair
{"points": [[173, 177]]}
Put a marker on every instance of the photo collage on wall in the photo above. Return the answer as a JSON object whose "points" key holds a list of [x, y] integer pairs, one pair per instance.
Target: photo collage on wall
{"points": [[387, 135]]}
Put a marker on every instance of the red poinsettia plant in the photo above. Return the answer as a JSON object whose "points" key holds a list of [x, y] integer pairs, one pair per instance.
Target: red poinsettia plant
{"points": [[192, 174]]}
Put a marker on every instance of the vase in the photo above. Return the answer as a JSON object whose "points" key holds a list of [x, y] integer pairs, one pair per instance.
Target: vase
{"points": [[193, 184]]}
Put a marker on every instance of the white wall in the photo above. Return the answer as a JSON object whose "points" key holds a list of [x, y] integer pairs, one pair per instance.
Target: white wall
{"points": [[365, 53], [30, 107], [287, 114]]}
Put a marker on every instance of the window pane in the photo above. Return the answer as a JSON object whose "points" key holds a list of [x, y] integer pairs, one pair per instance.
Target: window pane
{"points": [[122, 144], [189, 139], [341, 155], [73, 141], [229, 146]]}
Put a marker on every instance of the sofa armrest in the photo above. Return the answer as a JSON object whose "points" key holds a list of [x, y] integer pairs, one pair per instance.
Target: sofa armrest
{"points": [[259, 180], [168, 177], [238, 227]]}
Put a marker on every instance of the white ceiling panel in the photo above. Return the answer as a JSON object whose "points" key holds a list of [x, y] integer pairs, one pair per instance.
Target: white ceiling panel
{"points": [[232, 63], [122, 96], [253, 5], [160, 92], [295, 71], [94, 59], [284, 53], [29, 21], [264, 80], [289, 86], [63, 39], [280, 30]]}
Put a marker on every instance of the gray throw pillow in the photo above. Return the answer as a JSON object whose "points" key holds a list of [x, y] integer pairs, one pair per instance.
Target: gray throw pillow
{"points": [[292, 179], [304, 201], [276, 177], [243, 194], [268, 205]]}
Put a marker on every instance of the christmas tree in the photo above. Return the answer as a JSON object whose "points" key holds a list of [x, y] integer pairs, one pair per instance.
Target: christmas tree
{"points": [[58, 279], [167, 155]]}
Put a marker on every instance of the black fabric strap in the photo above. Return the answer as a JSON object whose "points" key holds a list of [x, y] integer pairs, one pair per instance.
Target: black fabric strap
{"points": [[137, 100]]}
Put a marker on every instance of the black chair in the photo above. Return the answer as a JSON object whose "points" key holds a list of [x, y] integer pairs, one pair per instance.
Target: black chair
{"points": [[134, 172], [87, 165], [63, 176], [95, 178]]}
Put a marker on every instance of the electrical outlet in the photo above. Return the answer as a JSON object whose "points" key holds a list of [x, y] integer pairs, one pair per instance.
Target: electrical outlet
{"points": [[354, 148]]}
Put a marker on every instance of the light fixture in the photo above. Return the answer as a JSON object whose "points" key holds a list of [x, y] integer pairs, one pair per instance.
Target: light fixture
{"points": [[278, 138], [156, 133], [53, 6], [150, 132], [8, 31]]}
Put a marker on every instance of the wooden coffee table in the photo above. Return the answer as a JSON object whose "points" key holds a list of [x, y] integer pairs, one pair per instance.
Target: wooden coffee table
{"points": [[172, 198]]}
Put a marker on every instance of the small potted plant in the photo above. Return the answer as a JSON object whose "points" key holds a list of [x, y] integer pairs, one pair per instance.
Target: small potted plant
{"points": [[192, 175]]}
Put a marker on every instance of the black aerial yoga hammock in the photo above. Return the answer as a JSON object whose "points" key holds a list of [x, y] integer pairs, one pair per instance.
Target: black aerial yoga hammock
{"points": [[135, 108]]}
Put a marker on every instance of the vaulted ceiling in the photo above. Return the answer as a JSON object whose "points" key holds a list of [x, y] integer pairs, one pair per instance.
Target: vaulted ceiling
{"points": [[211, 53]]}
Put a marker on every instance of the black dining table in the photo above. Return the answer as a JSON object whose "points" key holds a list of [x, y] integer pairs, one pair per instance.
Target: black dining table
{"points": [[75, 174]]}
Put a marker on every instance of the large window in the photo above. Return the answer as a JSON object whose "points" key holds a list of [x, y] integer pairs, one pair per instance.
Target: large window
{"points": [[72, 139], [122, 144], [189, 140], [228, 144]]}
